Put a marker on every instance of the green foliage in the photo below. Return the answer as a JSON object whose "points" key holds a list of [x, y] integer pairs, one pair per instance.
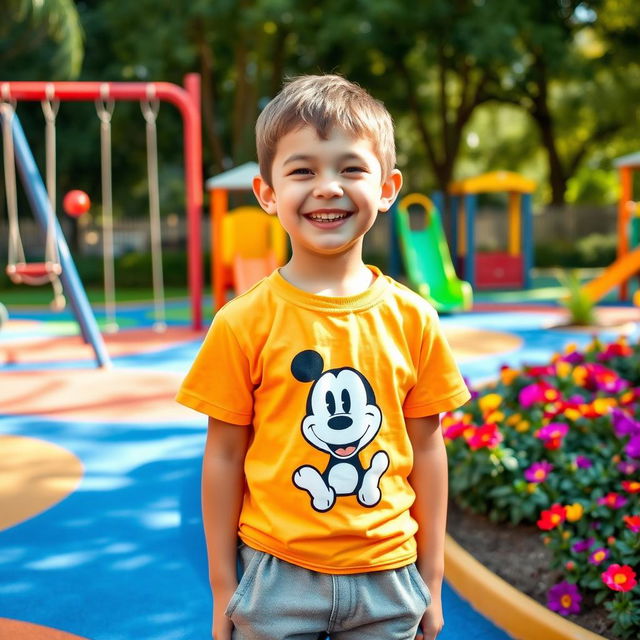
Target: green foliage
{"points": [[525, 79], [579, 305], [44, 34], [558, 445], [132, 270], [594, 250]]}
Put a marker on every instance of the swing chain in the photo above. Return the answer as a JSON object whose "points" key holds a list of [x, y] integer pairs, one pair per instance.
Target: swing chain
{"points": [[104, 104], [151, 106], [51, 104]]}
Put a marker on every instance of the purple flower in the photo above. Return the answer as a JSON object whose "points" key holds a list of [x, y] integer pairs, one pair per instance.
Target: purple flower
{"points": [[633, 447], [553, 430], [564, 598], [538, 471], [583, 545], [624, 424], [628, 467], [574, 357], [582, 462], [598, 556]]}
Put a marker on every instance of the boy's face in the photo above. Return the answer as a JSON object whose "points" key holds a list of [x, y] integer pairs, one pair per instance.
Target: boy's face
{"points": [[327, 193]]}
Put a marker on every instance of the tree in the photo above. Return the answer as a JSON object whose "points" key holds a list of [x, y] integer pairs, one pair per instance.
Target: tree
{"points": [[40, 39]]}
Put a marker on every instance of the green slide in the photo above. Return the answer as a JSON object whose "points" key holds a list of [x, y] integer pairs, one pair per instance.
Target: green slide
{"points": [[427, 260]]}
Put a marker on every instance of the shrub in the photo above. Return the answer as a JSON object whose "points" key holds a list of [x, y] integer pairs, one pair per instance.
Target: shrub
{"points": [[559, 446]]}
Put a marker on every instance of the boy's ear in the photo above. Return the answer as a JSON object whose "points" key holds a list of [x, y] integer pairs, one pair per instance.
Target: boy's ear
{"points": [[265, 194], [390, 190]]}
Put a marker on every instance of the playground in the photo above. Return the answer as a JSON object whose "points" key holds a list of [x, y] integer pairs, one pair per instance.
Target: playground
{"points": [[100, 529]]}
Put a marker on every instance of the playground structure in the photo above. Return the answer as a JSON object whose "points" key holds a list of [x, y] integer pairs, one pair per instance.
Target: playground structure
{"points": [[427, 260], [627, 263], [240, 259], [497, 269], [58, 261]]}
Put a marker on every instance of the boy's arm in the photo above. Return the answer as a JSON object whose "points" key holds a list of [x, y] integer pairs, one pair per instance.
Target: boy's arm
{"points": [[222, 491], [429, 480]]}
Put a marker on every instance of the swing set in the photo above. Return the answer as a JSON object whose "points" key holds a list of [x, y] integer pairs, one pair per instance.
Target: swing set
{"points": [[57, 267]]}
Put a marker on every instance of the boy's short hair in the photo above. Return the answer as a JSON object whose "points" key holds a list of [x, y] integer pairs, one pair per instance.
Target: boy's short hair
{"points": [[324, 102]]}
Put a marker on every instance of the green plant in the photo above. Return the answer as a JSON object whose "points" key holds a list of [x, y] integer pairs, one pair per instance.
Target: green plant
{"points": [[579, 305]]}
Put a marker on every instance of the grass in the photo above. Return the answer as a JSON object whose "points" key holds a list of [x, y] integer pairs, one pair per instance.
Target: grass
{"points": [[15, 296]]}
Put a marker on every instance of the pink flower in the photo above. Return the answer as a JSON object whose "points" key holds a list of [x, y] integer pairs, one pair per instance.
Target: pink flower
{"points": [[487, 436], [538, 471], [552, 434], [538, 393], [613, 500], [455, 430], [619, 577], [628, 467]]}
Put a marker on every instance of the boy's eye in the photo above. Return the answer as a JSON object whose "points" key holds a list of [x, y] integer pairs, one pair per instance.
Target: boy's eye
{"points": [[301, 171], [355, 170]]}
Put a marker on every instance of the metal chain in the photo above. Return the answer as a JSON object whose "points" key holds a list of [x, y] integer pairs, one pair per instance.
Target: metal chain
{"points": [[150, 109], [104, 109]]}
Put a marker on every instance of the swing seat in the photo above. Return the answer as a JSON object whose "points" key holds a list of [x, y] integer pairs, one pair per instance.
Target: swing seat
{"points": [[34, 273]]}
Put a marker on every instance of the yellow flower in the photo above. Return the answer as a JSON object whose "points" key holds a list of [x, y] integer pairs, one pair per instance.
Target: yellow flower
{"points": [[627, 397], [513, 420], [531, 487], [563, 369], [572, 414], [566, 535], [601, 406], [523, 426], [572, 347], [494, 417], [579, 375], [507, 376], [490, 402], [468, 433], [574, 511]]}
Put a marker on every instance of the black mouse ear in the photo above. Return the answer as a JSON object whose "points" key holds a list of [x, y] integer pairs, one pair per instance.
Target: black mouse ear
{"points": [[307, 366]]}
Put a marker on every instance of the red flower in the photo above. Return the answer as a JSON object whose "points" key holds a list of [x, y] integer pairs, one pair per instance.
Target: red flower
{"points": [[620, 577], [487, 436], [553, 517], [633, 523], [632, 486]]}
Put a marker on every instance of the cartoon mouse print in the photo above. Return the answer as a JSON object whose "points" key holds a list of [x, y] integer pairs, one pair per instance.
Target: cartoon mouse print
{"points": [[342, 419]]}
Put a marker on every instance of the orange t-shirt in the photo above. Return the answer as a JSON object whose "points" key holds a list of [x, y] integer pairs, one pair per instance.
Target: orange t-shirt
{"points": [[326, 384]]}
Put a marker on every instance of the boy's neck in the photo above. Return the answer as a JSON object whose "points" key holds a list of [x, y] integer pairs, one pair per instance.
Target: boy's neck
{"points": [[335, 276]]}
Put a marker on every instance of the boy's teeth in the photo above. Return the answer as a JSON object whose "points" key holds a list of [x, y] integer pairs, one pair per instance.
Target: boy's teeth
{"points": [[328, 216]]}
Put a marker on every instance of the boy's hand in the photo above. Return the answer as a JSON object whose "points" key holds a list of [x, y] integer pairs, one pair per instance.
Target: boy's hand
{"points": [[222, 626], [432, 621]]}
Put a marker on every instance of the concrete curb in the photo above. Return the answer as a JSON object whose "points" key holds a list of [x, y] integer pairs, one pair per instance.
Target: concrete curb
{"points": [[516, 613]]}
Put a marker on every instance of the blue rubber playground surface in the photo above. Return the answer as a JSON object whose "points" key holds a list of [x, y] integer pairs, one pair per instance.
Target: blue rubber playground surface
{"points": [[118, 552]]}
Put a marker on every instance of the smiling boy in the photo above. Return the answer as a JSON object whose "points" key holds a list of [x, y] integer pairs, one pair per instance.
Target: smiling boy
{"points": [[323, 385]]}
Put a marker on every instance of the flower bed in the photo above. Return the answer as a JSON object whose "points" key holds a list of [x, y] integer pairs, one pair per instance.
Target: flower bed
{"points": [[559, 446]]}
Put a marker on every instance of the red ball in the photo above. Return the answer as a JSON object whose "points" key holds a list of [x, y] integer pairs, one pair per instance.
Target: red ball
{"points": [[76, 202]]}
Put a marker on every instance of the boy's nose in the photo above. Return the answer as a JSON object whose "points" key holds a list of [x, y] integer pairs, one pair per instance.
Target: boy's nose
{"points": [[328, 187]]}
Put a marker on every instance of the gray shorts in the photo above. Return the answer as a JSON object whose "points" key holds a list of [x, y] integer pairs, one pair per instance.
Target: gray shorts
{"points": [[276, 600]]}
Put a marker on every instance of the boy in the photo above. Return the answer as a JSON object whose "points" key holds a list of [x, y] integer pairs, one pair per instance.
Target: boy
{"points": [[323, 385]]}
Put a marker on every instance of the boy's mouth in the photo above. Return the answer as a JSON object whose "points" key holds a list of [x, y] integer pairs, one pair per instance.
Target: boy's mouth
{"points": [[327, 216]]}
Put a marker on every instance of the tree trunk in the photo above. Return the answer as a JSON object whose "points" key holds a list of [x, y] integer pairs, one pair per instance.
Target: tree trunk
{"points": [[541, 113], [207, 71]]}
